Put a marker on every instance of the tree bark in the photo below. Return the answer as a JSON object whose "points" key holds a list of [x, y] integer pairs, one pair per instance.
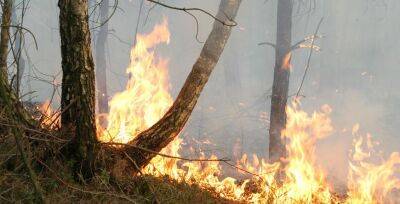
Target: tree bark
{"points": [[101, 62], [167, 128], [280, 85], [78, 85], [5, 36]]}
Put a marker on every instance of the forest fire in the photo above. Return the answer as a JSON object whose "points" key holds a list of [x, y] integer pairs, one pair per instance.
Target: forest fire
{"points": [[49, 118], [146, 99]]}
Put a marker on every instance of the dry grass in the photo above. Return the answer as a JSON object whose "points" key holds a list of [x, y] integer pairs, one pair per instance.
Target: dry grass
{"points": [[43, 147], [62, 188]]}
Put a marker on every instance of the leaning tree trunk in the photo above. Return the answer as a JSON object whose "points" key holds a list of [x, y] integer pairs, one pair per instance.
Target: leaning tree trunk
{"points": [[101, 63], [167, 128], [78, 85], [280, 85]]}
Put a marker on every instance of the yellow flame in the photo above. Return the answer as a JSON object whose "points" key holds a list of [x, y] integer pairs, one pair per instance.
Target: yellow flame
{"points": [[49, 118], [146, 99], [369, 182]]}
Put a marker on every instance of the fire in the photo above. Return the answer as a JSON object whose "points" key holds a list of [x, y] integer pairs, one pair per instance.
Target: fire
{"points": [[147, 98], [369, 182], [49, 118], [304, 181]]}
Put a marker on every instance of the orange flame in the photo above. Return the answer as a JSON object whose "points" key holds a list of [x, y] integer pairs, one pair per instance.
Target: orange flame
{"points": [[49, 117], [146, 97]]}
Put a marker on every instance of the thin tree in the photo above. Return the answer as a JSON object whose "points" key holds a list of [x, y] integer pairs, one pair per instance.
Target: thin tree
{"points": [[78, 85], [280, 85], [101, 62]]}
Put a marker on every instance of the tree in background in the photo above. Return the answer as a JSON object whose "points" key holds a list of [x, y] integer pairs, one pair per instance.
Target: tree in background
{"points": [[280, 85], [17, 51], [101, 62]]}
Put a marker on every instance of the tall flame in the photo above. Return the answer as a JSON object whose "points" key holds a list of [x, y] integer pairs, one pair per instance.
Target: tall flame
{"points": [[146, 99]]}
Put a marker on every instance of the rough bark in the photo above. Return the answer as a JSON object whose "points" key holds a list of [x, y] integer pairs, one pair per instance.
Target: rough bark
{"points": [[78, 85], [5, 36], [167, 128], [6, 95], [280, 85], [101, 62]]}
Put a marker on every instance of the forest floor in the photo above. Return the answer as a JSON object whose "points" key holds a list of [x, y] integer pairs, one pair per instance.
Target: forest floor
{"points": [[15, 187], [43, 147]]}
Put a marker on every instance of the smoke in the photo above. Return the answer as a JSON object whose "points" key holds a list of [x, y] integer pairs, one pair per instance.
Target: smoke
{"points": [[356, 72]]}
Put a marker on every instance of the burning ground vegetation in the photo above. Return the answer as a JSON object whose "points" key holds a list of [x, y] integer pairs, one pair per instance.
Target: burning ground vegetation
{"points": [[170, 178]]}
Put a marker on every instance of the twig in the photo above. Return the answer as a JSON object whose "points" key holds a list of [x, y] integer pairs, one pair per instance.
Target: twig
{"points": [[115, 6], [33, 130], [241, 169], [26, 29], [187, 10], [309, 58], [298, 44], [137, 22], [268, 43], [165, 155]]}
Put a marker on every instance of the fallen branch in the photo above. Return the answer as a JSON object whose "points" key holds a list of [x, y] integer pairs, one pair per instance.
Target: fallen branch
{"points": [[166, 155]]}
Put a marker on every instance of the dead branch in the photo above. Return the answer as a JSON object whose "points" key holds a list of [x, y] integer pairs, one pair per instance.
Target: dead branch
{"points": [[268, 43], [309, 58], [165, 155], [228, 22]]}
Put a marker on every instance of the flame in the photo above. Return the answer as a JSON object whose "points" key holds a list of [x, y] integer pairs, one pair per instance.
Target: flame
{"points": [[369, 182], [49, 118], [146, 98], [304, 181]]}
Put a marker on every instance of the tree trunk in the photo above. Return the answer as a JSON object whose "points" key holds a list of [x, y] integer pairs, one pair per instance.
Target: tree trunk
{"points": [[5, 37], [280, 86], [101, 62], [167, 128], [78, 85]]}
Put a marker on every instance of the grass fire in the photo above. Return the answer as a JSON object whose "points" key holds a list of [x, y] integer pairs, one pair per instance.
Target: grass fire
{"points": [[121, 119]]}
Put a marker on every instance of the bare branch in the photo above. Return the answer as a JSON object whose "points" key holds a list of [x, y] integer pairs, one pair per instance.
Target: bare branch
{"points": [[187, 10], [309, 58], [268, 43]]}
